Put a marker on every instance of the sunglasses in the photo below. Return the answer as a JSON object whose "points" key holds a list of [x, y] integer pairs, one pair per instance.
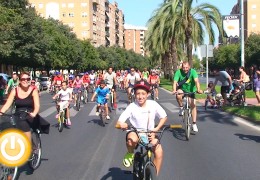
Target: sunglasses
{"points": [[25, 79]]}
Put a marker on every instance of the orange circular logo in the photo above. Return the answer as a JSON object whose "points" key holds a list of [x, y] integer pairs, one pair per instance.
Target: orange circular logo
{"points": [[15, 148]]}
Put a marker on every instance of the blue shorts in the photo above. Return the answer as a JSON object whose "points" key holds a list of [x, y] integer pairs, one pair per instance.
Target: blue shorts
{"points": [[101, 101]]}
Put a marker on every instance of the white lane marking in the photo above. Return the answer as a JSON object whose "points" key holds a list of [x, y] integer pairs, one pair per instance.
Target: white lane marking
{"points": [[171, 107], [73, 111], [48, 111], [93, 111]]}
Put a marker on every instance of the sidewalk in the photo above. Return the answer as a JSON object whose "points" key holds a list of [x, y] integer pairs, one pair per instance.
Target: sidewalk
{"points": [[249, 101]]}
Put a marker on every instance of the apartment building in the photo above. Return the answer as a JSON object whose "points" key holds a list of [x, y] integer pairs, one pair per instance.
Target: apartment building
{"points": [[134, 38], [98, 20], [251, 15]]}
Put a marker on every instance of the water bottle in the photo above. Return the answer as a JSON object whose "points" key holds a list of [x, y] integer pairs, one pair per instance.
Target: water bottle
{"points": [[144, 138]]}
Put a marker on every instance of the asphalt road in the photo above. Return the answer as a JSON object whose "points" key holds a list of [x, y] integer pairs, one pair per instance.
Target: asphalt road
{"points": [[223, 149]]}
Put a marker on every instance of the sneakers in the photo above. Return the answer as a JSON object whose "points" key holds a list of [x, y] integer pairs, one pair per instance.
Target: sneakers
{"points": [[57, 116], [115, 105], [97, 113], [195, 128], [157, 98], [181, 111], [128, 159], [108, 117], [68, 122]]}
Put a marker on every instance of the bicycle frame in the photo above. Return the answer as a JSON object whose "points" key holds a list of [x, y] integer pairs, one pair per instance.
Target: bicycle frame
{"points": [[102, 114]]}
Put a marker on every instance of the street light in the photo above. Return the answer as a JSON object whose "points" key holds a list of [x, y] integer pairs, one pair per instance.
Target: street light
{"points": [[242, 33]]}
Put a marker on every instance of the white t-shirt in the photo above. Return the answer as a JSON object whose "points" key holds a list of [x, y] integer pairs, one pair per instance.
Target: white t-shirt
{"points": [[110, 78], [133, 78], [92, 78], [138, 116], [64, 95]]}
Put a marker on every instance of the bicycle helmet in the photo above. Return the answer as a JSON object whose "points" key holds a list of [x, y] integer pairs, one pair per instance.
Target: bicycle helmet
{"points": [[142, 84]]}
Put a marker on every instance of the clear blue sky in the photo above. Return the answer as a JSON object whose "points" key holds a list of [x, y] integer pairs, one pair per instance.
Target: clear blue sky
{"points": [[137, 12]]}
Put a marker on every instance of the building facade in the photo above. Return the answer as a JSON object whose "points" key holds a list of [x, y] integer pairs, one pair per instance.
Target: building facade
{"points": [[100, 21], [134, 39], [251, 16]]}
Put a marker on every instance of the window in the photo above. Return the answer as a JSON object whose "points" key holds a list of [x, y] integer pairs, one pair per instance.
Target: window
{"points": [[71, 5], [71, 14], [64, 14], [32, 5], [84, 14], [84, 24], [63, 5], [253, 25], [40, 5], [83, 4], [254, 6], [253, 16]]}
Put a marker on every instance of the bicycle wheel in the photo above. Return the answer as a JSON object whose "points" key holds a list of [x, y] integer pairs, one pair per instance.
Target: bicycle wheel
{"points": [[150, 172], [152, 95], [8, 173], [138, 166], [111, 99], [61, 121], [186, 118], [35, 160], [206, 104], [102, 116], [78, 102]]}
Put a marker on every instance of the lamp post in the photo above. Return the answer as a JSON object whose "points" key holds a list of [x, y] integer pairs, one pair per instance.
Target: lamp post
{"points": [[242, 33]]}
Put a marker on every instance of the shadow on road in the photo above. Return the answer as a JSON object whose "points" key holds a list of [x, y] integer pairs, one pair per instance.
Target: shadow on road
{"points": [[116, 173], [216, 116], [248, 137], [96, 121]]}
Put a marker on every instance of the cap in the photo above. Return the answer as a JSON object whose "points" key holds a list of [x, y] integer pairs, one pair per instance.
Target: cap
{"points": [[142, 84]]}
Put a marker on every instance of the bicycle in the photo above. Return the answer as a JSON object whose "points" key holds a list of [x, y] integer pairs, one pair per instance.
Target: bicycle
{"points": [[62, 120], [85, 95], [132, 95], [143, 166], [102, 114], [187, 114], [78, 95], [7, 172], [153, 92], [111, 99]]}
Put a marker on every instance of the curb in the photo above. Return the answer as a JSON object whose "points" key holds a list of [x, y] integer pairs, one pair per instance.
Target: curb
{"points": [[241, 119]]}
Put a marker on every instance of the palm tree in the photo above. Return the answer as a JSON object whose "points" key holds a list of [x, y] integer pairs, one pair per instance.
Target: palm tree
{"points": [[177, 26]]}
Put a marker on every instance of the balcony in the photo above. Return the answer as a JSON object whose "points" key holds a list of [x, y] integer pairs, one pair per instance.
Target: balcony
{"points": [[117, 31], [117, 10], [107, 33], [107, 25], [95, 1], [94, 20]]}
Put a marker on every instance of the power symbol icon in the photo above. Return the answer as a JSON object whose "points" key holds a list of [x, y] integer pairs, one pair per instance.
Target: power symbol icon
{"points": [[15, 148]]}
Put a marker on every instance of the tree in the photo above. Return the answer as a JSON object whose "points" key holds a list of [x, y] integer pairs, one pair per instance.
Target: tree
{"points": [[252, 50]]}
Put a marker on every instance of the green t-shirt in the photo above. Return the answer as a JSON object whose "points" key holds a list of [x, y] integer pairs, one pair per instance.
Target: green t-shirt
{"points": [[189, 85], [145, 74], [12, 83]]}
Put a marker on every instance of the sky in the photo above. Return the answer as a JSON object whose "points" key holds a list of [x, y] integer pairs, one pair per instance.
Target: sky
{"points": [[138, 12]]}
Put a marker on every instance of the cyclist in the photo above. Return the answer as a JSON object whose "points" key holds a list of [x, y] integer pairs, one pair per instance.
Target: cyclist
{"points": [[77, 84], [154, 80], [25, 97], [86, 81], [131, 78], [188, 81], [65, 98], [100, 77], [110, 79], [58, 79], [142, 114], [102, 93], [12, 83], [145, 74], [92, 78]]}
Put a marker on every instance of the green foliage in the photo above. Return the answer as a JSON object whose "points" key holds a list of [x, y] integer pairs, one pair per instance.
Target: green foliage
{"points": [[252, 50], [226, 56], [27, 40]]}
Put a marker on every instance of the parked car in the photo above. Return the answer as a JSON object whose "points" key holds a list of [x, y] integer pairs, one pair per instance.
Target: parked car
{"points": [[5, 76], [43, 83]]}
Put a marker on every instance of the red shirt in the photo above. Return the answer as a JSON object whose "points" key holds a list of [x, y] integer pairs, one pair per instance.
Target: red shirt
{"points": [[153, 79], [58, 80], [85, 79]]}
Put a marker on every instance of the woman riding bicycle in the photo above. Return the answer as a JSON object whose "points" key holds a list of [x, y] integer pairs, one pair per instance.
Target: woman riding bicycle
{"points": [[141, 114], [25, 98]]}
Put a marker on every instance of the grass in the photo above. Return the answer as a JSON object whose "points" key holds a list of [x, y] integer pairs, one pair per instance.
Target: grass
{"points": [[250, 112]]}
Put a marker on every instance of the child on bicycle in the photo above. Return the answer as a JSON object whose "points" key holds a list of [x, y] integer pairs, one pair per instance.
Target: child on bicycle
{"points": [[65, 98], [102, 93], [141, 115], [211, 94]]}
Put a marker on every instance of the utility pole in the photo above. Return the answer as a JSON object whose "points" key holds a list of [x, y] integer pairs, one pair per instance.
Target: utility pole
{"points": [[242, 33]]}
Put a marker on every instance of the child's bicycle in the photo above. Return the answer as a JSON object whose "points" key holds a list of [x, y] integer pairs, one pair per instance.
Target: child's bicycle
{"points": [[143, 166], [62, 120], [102, 115]]}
